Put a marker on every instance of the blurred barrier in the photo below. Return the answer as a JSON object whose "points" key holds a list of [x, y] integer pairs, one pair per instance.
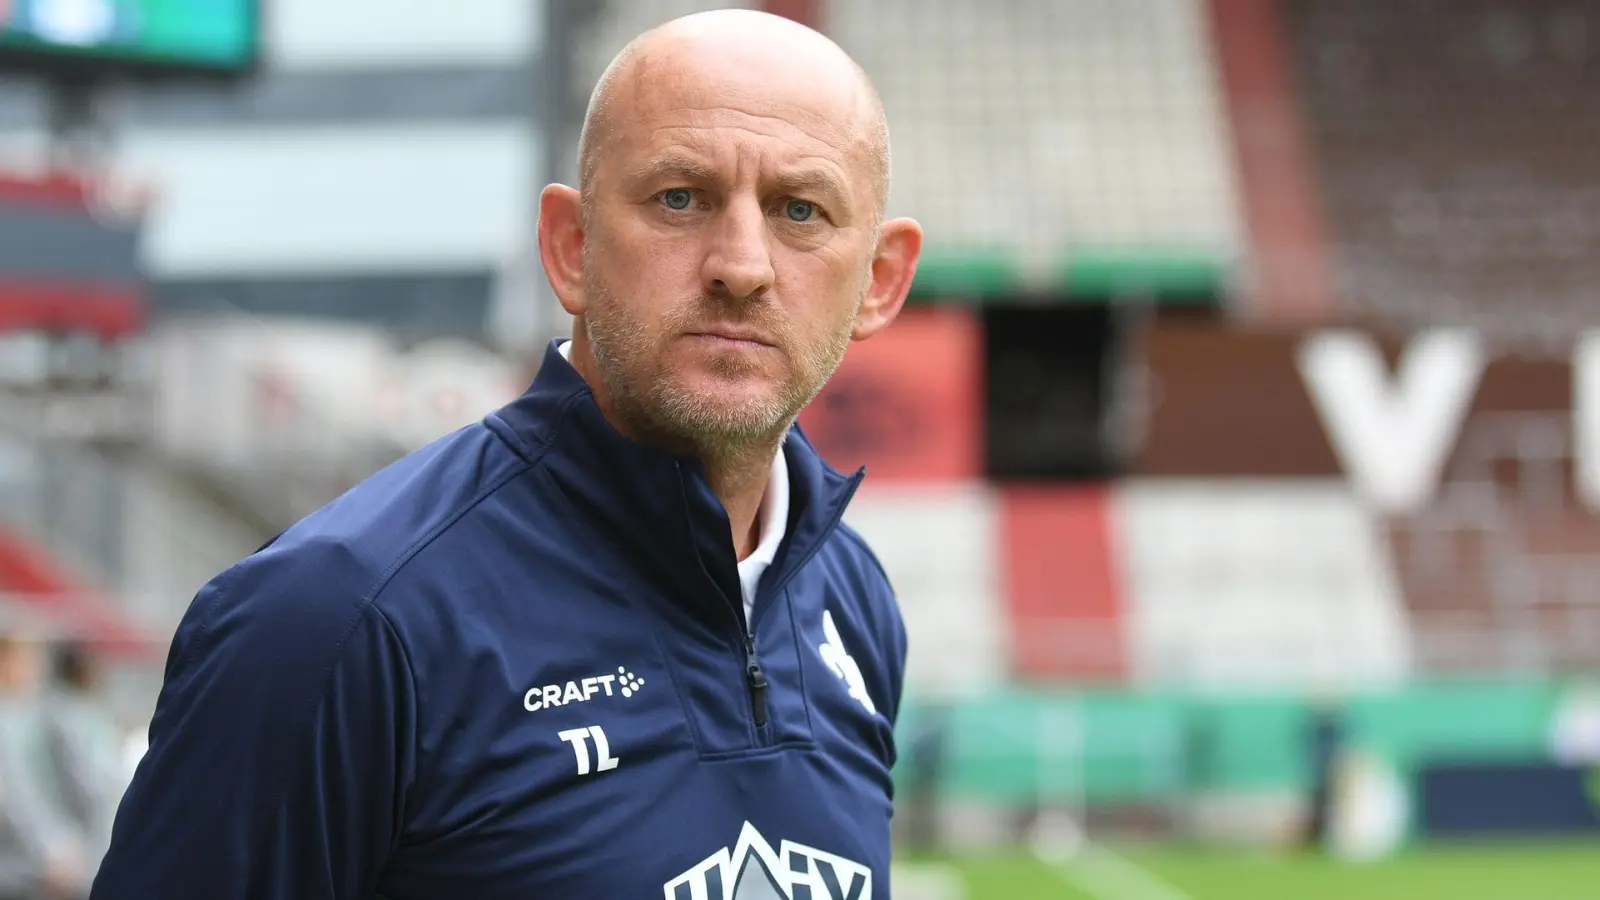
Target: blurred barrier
{"points": [[291, 413], [223, 409], [124, 523], [1106, 754], [1456, 800]]}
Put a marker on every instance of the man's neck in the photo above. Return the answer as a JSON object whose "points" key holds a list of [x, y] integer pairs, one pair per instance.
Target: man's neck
{"points": [[738, 477], [741, 484]]}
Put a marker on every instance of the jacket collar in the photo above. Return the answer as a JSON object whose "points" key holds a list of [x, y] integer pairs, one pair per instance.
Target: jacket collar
{"points": [[659, 506]]}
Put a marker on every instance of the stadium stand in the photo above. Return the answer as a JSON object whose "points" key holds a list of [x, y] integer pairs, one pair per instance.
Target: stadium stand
{"points": [[1050, 134], [1452, 143]]}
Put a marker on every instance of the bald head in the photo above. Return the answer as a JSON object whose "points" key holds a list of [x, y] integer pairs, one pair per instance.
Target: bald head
{"points": [[729, 52]]}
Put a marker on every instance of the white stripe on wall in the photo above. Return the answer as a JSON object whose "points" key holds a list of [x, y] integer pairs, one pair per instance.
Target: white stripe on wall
{"points": [[411, 33], [1232, 583], [939, 546], [389, 198]]}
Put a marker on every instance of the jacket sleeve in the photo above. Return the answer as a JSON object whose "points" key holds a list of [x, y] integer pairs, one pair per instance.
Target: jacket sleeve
{"points": [[897, 672], [280, 749]]}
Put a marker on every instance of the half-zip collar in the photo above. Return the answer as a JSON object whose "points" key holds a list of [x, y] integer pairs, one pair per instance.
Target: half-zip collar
{"points": [[659, 506]]}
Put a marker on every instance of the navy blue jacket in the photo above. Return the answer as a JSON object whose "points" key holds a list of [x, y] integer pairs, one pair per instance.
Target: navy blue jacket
{"points": [[515, 665]]}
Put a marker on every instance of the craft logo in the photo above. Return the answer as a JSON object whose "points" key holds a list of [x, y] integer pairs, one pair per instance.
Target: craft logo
{"points": [[582, 690], [753, 870]]}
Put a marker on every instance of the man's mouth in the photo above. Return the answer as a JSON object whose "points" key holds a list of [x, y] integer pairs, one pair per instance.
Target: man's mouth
{"points": [[734, 335]]}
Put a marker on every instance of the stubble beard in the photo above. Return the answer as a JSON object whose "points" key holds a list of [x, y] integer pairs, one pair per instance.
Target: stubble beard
{"points": [[660, 409]]}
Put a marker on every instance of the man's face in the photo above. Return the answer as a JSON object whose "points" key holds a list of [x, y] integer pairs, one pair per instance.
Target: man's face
{"points": [[728, 245], [21, 666]]}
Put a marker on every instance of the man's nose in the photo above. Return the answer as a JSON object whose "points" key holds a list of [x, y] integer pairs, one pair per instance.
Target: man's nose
{"points": [[739, 260]]}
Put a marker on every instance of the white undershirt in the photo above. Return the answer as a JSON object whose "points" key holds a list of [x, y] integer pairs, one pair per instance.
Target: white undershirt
{"points": [[773, 519]]}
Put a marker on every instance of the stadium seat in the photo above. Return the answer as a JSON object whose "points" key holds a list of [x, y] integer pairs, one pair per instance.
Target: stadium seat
{"points": [[1231, 584]]}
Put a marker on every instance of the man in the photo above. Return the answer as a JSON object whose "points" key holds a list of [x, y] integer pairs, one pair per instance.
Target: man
{"points": [[85, 747], [613, 641], [42, 852]]}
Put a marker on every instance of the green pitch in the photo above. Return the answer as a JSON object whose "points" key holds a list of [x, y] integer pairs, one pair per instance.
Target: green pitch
{"points": [[1479, 873]]}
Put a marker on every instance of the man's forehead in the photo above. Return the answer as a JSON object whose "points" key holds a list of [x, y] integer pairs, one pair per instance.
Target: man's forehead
{"points": [[737, 131], [727, 139], [769, 110]]}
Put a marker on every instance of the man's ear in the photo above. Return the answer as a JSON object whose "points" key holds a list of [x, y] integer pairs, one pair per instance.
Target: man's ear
{"points": [[893, 268], [561, 245]]}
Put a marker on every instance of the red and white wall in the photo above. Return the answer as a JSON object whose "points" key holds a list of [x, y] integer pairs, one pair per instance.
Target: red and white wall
{"points": [[1282, 520]]}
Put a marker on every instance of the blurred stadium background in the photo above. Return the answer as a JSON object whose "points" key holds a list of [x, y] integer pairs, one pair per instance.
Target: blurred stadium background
{"points": [[1237, 462]]}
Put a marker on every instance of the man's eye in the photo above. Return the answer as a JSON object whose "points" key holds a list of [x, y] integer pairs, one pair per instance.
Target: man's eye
{"points": [[678, 198], [799, 210]]}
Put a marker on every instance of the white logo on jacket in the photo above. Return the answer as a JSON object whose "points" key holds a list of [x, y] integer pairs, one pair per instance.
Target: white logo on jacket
{"points": [[843, 664], [581, 690], [753, 870]]}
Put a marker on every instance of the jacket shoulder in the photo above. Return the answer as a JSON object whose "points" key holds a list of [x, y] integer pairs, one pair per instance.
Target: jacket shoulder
{"points": [[858, 548]]}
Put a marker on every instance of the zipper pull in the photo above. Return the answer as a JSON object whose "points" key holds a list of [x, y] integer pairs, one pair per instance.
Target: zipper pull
{"points": [[757, 681]]}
